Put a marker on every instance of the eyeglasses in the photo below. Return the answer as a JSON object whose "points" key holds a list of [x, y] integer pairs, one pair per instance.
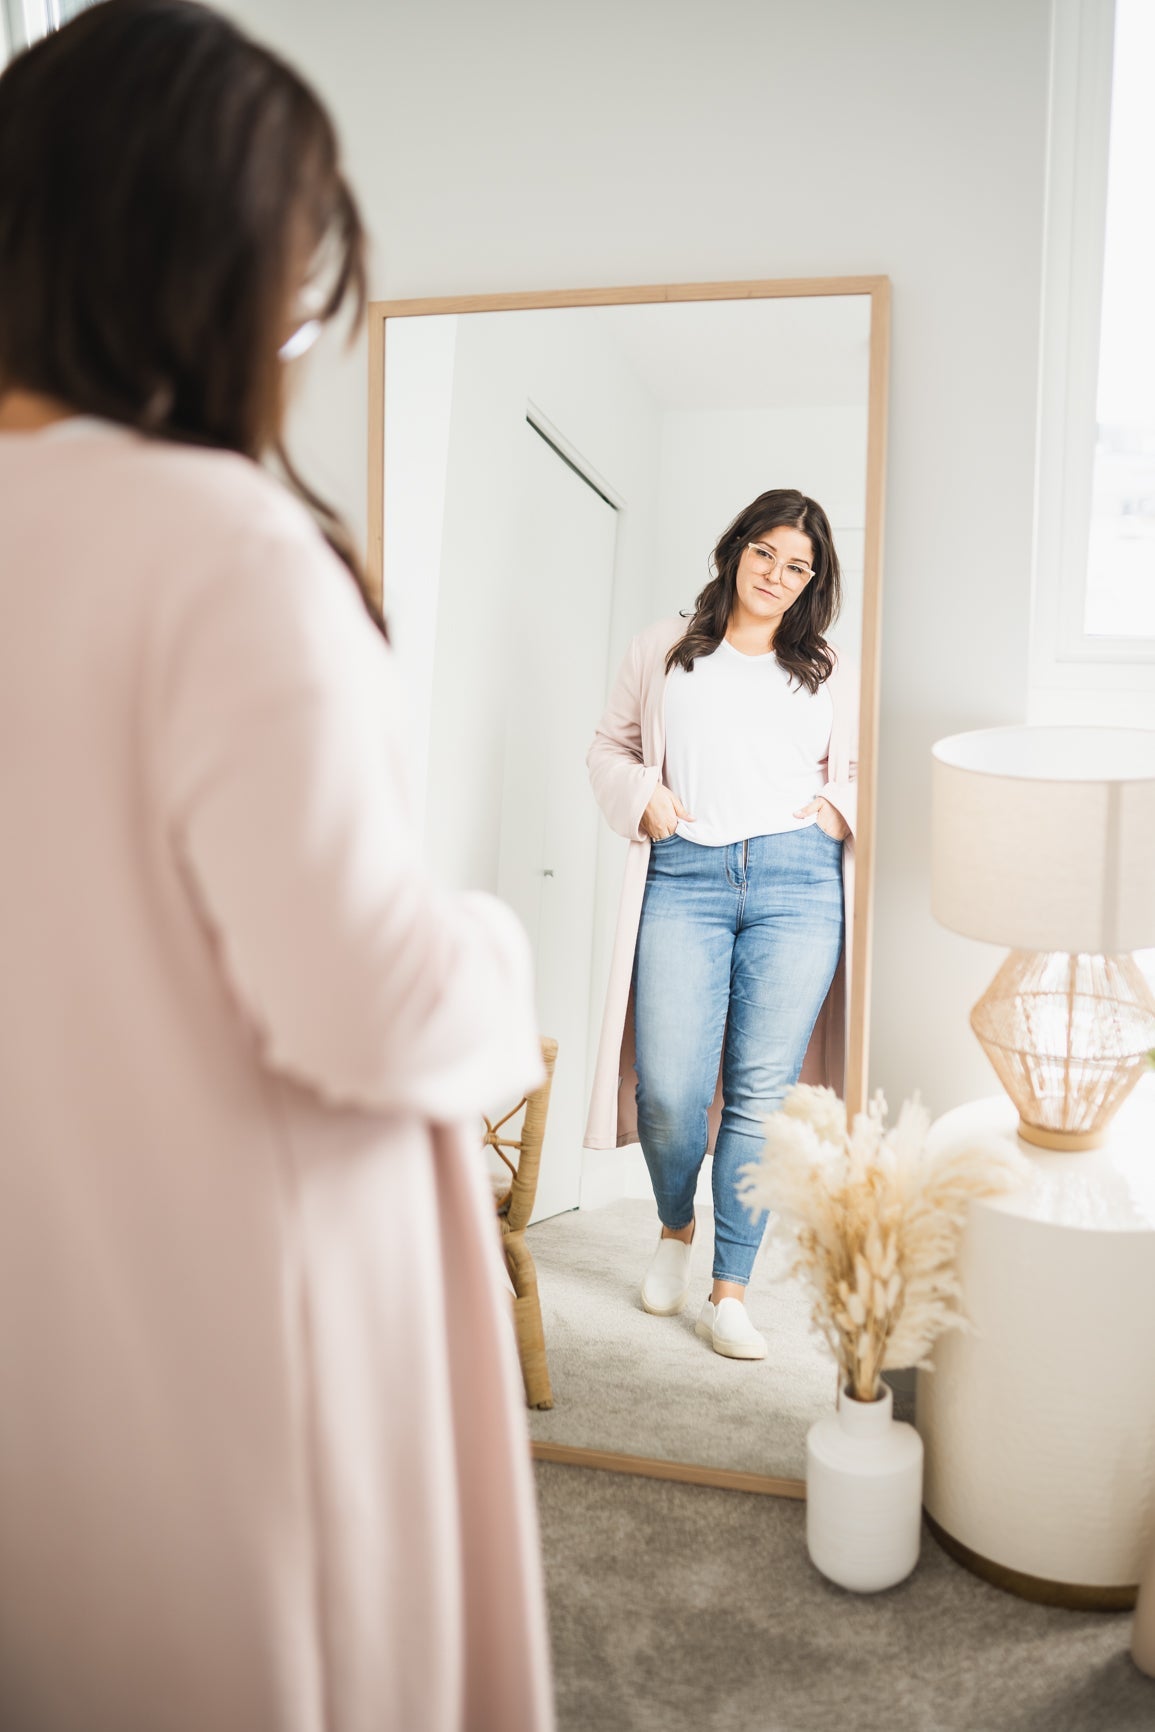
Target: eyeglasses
{"points": [[308, 322], [301, 341], [794, 572]]}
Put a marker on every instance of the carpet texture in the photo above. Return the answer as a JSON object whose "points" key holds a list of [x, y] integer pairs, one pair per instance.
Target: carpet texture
{"points": [[684, 1609], [642, 1385]]}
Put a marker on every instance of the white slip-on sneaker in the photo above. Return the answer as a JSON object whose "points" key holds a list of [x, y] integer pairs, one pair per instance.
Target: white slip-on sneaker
{"points": [[728, 1329], [666, 1283]]}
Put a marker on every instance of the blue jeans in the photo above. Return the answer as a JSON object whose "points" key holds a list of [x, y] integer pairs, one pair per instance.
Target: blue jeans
{"points": [[737, 944]]}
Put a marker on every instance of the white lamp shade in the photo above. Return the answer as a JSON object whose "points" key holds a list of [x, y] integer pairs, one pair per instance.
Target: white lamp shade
{"points": [[1044, 838]]}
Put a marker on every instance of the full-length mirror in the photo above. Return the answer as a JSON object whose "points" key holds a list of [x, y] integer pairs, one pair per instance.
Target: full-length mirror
{"points": [[629, 544]]}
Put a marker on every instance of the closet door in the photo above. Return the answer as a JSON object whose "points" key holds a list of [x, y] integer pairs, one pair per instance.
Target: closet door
{"points": [[563, 585]]}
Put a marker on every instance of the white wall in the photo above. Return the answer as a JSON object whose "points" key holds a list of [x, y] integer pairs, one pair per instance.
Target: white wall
{"points": [[418, 424], [522, 144], [469, 417], [465, 385]]}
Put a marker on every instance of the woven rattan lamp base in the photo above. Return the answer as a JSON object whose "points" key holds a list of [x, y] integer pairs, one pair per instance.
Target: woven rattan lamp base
{"points": [[1069, 1037]]}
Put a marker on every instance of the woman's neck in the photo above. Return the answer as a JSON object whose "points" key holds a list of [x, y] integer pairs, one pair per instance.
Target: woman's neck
{"points": [[27, 411], [753, 637]]}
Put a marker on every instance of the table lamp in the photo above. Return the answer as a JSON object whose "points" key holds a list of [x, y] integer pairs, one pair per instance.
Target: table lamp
{"points": [[1043, 840]]}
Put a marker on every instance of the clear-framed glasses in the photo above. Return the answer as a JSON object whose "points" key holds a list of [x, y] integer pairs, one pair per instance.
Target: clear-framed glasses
{"points": [[301, 341], [308, 323], [795, 572]]}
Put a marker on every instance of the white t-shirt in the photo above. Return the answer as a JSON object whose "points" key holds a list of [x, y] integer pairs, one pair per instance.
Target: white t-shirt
{"points": [[744, 746]]}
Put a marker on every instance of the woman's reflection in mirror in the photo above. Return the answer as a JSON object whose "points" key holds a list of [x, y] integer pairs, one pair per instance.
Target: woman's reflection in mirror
{"points": [[728, 751]]}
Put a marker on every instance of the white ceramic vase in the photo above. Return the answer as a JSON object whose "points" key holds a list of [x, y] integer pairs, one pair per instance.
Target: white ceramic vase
{"points": [[863, 1494]]}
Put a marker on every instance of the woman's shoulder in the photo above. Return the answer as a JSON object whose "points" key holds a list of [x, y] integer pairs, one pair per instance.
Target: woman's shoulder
{"points": [[225, 523], [231, 536], [220, 493], [192, 496]]}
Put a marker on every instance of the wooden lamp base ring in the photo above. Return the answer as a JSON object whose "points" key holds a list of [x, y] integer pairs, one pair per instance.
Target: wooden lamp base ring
{"points": [[1064, 1142]]}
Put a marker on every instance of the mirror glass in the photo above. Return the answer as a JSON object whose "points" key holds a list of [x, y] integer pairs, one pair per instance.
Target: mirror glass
{"points": [[555, 481]]}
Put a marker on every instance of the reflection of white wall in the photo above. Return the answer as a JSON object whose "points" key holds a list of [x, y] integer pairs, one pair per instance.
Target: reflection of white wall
{"points": [[713, 464], [417, 422], [457, 626], [503, 365]]}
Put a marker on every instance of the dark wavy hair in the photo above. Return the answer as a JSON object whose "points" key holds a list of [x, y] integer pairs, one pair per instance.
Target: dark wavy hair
{"points": [[799, 645], [165, 186]]}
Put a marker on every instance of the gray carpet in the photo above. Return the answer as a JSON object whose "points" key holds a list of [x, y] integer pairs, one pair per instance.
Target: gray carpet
{"points": [[642, 1385], [682, 1609]]}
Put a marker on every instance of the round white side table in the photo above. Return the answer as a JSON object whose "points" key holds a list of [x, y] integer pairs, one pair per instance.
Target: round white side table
{"points": [[1039, 1423]]}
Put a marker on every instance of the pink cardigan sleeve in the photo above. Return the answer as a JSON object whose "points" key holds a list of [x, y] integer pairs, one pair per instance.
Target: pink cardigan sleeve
{"points": [[280, 767], [841, 787], [623, 783]]}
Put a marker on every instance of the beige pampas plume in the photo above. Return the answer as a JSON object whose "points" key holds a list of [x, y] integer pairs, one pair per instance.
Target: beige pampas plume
{"points": [[871, 1222]]}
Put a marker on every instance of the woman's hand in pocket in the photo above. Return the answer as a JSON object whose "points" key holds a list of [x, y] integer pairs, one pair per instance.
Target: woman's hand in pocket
{"points": [[829, 818], [660, 818]]}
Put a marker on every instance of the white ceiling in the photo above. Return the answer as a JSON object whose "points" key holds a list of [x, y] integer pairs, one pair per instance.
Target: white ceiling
{"points": [[753, 354]]}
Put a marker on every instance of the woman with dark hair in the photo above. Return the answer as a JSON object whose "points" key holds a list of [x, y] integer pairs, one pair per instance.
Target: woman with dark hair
{"points": [[727, 755], [262, 1448]]}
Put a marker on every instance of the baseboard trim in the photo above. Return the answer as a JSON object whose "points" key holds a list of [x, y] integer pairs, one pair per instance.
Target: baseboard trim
{"points": [[685, 1473]]}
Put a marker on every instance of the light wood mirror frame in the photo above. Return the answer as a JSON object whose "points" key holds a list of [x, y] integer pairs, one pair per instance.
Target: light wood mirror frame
{"points": [[878, 290]]}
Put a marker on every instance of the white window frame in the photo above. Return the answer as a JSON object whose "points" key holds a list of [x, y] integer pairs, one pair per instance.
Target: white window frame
{"points": [[26, 21], [23, 22], [1074, 675]]}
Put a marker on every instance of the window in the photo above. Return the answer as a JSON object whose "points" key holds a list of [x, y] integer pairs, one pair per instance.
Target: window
{"points": [[1120, 594], [23, 22], [1093, 636]]}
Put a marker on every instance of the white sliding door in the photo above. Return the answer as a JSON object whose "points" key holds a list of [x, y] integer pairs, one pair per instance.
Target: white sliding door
{"points": [[563, 589]]}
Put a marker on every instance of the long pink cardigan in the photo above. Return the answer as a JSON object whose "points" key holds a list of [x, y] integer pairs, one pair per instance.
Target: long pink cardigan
{"points": [[625, 764], [263, 1453]]}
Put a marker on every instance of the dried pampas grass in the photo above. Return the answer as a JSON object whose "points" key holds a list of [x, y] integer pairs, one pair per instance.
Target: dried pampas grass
{"points": [[871, 1223]]}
